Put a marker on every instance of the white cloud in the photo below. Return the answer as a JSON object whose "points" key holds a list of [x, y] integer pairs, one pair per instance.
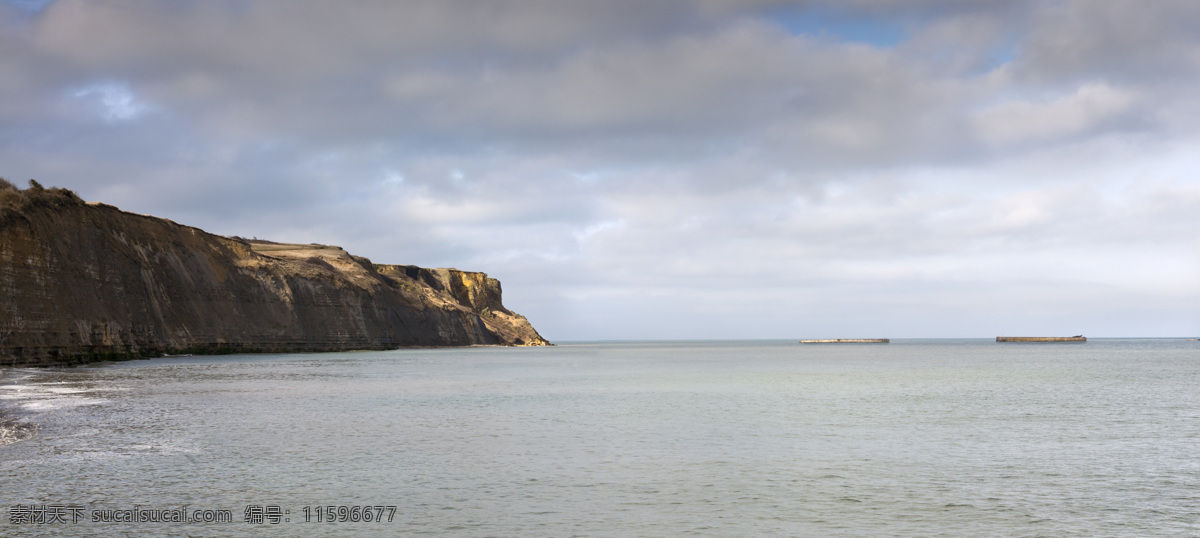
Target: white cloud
{"points": [[1091, 108]]}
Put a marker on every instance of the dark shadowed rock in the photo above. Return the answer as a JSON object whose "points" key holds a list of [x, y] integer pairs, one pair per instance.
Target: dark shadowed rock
{"points": [[82, 282]]}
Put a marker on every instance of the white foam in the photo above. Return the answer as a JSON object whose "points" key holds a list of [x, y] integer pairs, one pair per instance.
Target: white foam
{"points": [[18, 387], [64, 390], [47, 404], [49, 396]]}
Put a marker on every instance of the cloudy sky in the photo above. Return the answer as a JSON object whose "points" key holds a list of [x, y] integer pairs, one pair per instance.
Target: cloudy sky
{"points": [[658, 170]]}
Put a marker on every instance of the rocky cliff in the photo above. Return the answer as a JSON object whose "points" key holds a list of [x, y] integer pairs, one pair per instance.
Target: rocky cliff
{"points": [[84, 281]]}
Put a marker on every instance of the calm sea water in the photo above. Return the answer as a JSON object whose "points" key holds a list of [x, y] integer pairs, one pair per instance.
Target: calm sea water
{"points": [[920, 437]]}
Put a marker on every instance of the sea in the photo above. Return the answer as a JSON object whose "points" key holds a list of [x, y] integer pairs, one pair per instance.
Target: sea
{"points": [[714, 438]]}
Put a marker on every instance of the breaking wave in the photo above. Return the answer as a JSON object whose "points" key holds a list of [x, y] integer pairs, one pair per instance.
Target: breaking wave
{"points": [[13, 430]]}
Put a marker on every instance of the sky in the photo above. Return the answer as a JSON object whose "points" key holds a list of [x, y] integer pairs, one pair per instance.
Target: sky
{"points": [[711, 169]]}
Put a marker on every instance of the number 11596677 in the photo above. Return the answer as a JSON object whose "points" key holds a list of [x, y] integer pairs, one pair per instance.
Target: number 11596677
{"points": [[349, 514]]}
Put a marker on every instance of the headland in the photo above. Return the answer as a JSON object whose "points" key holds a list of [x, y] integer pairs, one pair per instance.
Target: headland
{"points": [[81, 282]]}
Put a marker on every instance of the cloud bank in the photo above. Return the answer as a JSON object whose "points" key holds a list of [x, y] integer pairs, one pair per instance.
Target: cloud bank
{"points": [[715, 169]]}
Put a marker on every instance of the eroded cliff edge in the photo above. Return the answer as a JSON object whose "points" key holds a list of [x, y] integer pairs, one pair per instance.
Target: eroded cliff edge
{"points": [[85, 281]]}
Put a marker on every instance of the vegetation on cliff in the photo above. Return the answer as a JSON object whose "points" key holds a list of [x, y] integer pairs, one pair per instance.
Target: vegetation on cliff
{"points": [[14, 202]]}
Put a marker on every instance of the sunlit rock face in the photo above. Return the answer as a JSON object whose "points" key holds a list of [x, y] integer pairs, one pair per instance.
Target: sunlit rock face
{"points": [[82, 282]]}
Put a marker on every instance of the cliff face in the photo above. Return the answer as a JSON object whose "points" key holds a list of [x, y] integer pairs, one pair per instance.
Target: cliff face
{"points": [[82, 282]]}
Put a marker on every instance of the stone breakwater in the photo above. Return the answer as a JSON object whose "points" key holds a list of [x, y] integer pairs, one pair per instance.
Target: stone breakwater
{"points": [[1041, 339], [82, 281], [848, 341]]}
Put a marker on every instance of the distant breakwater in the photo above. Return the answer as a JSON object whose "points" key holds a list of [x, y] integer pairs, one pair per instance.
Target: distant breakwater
{"points": [[847, 341], [1041, 339]]}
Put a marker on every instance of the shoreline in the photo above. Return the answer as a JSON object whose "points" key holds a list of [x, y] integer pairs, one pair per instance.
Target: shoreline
{"points": [[14, 427], [90, 359]]}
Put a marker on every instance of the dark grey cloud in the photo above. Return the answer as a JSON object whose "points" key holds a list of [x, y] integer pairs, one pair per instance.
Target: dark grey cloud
{"points": [[1118, 42], [641, 169]]}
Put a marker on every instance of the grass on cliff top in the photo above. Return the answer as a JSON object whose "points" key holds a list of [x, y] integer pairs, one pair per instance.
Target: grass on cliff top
{"points": [[14, 201], [262, 245]]}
